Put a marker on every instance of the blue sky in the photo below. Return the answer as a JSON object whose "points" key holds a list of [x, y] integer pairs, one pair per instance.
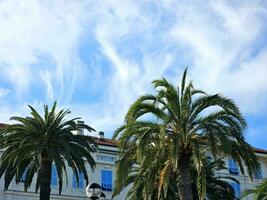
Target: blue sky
{"points": [[97, 57]]}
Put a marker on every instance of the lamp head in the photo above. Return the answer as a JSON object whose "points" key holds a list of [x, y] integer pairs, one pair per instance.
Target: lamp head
{"points": [[93, 190]]}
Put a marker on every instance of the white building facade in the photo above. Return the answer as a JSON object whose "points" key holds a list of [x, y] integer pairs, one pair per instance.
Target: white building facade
{"points": [[244, 181], [105, 172]]}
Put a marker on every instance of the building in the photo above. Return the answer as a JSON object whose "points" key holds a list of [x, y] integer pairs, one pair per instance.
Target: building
{"points": [[105, 173], [244, 182]]}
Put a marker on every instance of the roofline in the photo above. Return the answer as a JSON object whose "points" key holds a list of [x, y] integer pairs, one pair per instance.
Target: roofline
{"points": [[105, 141], [3, 125], [257, 150], [114, 143]]}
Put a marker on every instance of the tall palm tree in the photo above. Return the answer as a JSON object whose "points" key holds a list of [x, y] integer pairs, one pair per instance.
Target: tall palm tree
{"points": [[144, 180], [259, 192], [33, 144], [184, 121]]}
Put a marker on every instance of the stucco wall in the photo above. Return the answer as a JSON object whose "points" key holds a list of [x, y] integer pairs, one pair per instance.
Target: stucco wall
{"points": [[15, 191]]}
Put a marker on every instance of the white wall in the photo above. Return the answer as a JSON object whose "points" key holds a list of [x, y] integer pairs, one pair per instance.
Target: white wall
{"points": [[15, 191]]}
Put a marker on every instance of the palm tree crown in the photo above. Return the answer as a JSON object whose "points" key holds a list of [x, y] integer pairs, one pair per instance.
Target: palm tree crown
{"points": [[34, 143], [182, 123]]}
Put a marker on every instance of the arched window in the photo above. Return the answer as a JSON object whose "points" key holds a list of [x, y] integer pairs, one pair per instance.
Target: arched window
{"points": [[106, 180], [237, 188], [233, 168], [54, 175], [81, 181]]}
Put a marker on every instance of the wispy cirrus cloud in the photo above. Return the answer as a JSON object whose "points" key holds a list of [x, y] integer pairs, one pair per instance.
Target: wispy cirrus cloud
{"points": [[227, 50], [98, 57], [34, 35]]}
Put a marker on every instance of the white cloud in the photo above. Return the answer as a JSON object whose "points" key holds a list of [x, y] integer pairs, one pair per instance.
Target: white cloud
{"points": [[30, 28], [222, 41], [46, 77], [218, 38], [142, 41], [3, 92]]}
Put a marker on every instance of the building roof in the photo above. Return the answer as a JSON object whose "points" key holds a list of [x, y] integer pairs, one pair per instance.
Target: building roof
{"points": [[110, 142], [106, 142], [2, 125], [257, 150], [114, 143]]}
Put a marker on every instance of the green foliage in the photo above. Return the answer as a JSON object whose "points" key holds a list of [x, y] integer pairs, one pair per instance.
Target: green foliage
{"points": [[173, 128], [259, 192], [28, 139], [215, 186]]}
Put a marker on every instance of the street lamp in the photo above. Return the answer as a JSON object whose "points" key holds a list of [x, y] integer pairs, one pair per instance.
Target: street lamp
{"points": [[94, 192], [102, 196]]}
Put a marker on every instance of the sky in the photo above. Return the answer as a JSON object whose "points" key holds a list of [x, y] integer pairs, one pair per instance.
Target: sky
{"points": [[97, 57]]}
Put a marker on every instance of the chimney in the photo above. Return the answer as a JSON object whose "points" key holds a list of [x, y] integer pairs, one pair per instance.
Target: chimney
{"points": [[81, 130], [101, 134]]}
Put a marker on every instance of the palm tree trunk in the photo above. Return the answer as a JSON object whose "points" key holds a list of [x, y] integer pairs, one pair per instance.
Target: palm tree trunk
{"points": [[45, 177], [185, 187]]}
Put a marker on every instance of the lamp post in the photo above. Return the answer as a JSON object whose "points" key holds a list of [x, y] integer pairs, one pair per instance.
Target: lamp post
{"points": [[102, 196], [94, 192]]}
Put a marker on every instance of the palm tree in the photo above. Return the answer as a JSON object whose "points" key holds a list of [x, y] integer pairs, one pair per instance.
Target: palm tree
{"points": [[33, 144], [183, 121], [260, 191], [216, 185]]}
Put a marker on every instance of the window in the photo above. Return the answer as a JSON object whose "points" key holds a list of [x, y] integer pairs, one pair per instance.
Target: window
{"points": [[106, 180], [23, 176], [106, 158], [233, 169], [54, 175], [237, 189], [81, 181], [258, 174]]}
